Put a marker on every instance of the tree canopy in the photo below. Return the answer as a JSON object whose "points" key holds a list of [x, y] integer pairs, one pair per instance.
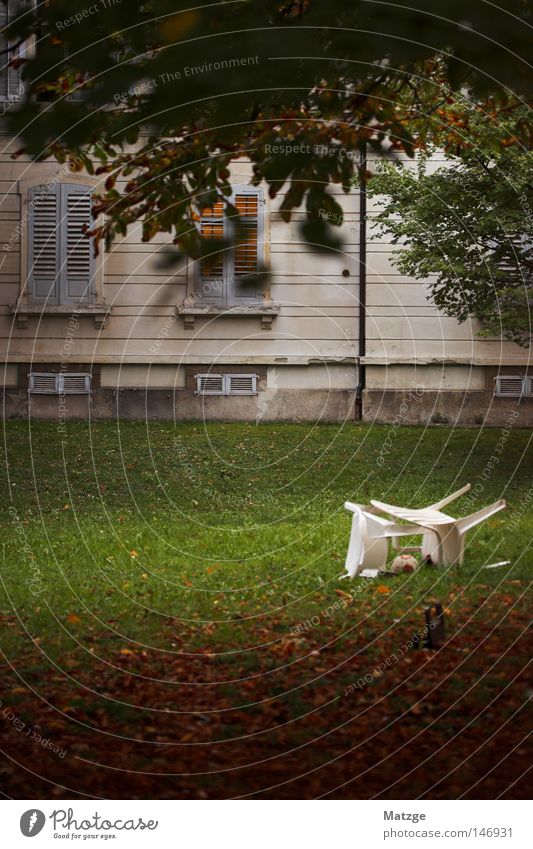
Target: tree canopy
{"points": [[161, 96], [468, 226], [192, 87]]}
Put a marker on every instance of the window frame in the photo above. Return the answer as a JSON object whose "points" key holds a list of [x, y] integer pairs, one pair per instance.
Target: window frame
{"points": [[24, 50], [229, 297]]}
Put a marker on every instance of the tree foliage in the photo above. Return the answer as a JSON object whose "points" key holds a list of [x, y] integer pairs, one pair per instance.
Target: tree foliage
{"points": [[165, 100], [468, 226]]}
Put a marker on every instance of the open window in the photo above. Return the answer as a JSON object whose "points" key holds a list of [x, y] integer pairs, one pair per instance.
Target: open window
{"points": [[232, 277]]}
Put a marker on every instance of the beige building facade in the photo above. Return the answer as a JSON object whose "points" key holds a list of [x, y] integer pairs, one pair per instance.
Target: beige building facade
{"points": [[326, 338]]}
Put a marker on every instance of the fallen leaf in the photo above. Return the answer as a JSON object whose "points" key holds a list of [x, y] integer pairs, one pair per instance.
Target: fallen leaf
{"points": [[345, 596]]}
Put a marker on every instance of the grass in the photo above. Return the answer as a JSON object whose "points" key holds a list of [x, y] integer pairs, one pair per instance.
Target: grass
{"points": [[137, 557], [130, 528]]}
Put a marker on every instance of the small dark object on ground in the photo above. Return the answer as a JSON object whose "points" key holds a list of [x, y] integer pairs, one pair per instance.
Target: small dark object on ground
{"points": [[434, 632]]}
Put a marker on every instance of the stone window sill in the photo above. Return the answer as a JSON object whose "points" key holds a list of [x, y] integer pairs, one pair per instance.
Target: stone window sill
{"points": [[266, 312], [99, 312]]}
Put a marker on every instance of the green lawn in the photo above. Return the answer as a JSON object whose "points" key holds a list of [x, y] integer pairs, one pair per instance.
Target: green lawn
{"points": [[179, 584], [130, 527]]}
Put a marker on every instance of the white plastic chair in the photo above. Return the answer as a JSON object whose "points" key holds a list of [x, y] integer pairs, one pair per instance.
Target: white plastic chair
{"points": [[430, 548], [446, 544], [369, 539]]}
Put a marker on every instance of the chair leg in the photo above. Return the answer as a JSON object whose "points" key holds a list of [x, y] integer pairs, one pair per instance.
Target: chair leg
{"points": [[448, 500], [452, 544], [431, 547]]}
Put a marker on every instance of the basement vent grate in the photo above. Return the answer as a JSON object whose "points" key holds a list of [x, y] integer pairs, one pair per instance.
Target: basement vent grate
{"points": [[514, 386], [209, 384], [226, 384], [59, 384]]}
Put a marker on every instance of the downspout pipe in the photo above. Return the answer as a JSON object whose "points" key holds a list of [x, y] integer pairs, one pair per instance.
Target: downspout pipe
{"points": [[362, 283]]}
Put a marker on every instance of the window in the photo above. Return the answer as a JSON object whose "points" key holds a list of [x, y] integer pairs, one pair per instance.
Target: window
{"points": [[11, 84], [232, 277], [514, 386], [226, 384], [61, 258], [60, 384]]}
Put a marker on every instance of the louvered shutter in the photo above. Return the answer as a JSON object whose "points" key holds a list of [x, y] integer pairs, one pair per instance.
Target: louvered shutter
{"points": [[213, 269], [232, 278], [61, 259], [77, 260], [43, 278], [11, 85], [247, 253]]}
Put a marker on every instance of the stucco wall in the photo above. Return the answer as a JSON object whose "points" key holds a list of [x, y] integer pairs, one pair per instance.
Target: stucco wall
{"points": [[318, 305], [307, 361]]}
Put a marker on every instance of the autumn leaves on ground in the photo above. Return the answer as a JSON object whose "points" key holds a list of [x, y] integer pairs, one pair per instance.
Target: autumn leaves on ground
{"points": [[173, 624]]}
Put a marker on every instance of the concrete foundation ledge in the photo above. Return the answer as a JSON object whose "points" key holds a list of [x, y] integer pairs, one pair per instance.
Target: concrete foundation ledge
{"points": [[426, 407], [269, 405]]}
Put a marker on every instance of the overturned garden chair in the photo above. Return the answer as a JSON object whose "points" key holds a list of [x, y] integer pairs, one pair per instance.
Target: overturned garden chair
{"points": [[443, 535], [369, 539]]}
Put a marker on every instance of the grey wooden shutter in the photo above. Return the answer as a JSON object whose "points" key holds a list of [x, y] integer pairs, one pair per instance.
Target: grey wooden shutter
{"points": [[11, 86], [248, 254], [77, 256], [43, 254], [60, 258]]}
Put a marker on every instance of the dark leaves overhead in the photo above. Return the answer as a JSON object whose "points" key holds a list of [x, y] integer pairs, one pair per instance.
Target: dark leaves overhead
{"points": [[194, 87]]}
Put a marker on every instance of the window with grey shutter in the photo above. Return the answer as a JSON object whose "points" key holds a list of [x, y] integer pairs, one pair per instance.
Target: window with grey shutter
{"points": [[232, 277], [11, 84], [61, 258]]}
